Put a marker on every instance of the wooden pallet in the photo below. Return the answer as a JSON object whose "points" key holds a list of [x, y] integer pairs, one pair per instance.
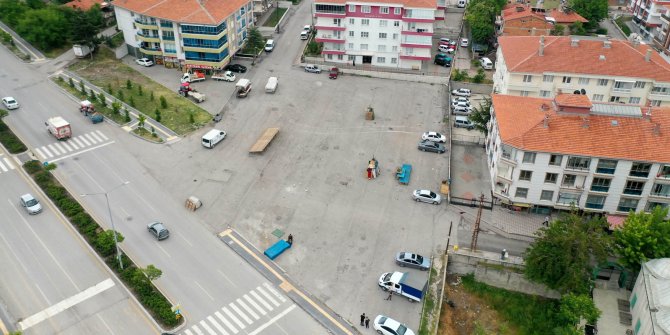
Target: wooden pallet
{"points": [[264, 140]]}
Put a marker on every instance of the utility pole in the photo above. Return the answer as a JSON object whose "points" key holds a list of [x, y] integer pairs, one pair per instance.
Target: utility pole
{"points": [[475, 231]]}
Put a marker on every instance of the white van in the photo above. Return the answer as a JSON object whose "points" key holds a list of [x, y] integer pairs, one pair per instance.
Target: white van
{"points": [[269, 45], [486, 63], [271, 86], [463, 122], [304, 35], [212, 137]]}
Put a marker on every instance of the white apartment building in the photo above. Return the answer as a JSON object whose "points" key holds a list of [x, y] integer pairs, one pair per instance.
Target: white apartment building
{"points": [[605, 70], [184, 33], [555, 153], [650, 299], [398, 35], [647, 14]]}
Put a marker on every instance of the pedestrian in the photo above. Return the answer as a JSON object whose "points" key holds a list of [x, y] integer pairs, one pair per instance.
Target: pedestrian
{"points": [[362, 318], [290, 239], [502, 254], [546, 221], [367, 322], [390, 295]]}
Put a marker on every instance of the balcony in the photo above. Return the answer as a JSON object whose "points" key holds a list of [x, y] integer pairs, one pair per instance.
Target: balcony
{"points": [[146, 24], [632, 191], [201, 48], [602, 189], [151, 51], [148, 38], [414, 57], [333, 51], [333, 28], [665, 18], [205, 36], [506, 158], [418, 19], [419, 32], [329, 39], [334, 14], [594, 205]]}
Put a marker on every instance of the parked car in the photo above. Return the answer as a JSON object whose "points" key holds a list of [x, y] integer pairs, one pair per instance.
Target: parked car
{"points": [[431, 146], [10, 103], [411, 260], [144, 62], [460, 104], [459, 110], [461, 92], [464, 42], [445, 48], [236, 68], [158, 230], [427, 196], [443, 60], [312, 68], [460, 99], [31, 204], [307, 28], [445, 40], [269, 45], [387, 326], [334, 72], [434, 136], [463, 122]]}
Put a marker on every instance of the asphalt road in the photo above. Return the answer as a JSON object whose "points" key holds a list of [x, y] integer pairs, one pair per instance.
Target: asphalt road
{"points": [[47, 269]]}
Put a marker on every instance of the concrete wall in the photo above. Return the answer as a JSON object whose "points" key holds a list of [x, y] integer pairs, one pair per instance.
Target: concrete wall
{"points": [[379, 74]]}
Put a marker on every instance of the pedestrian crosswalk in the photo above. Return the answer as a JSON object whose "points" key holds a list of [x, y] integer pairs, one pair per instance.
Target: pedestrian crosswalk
{"points": [[242, 313], [73, 145], [6, 164]]}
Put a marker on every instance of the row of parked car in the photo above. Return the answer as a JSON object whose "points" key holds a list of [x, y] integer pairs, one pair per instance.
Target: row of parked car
{"points": [[460, 106]]}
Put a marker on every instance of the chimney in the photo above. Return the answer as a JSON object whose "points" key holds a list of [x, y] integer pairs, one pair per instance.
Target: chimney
{"points": [[546, 121], [519, 9], [532, 31], [647, 57], [607, 44], [585, 122], [574, 42], [602, 57]]}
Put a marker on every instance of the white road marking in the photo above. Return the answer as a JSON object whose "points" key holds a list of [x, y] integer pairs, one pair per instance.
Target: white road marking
{"points": [[207, 327], [248, 309], [65, 304], [188, 332], [90, 138], [254, 304], [59, 146], [266, 295], [79, 143], [53, 148], [40, 153], [2, 166], [279, 296], [66, 146], [273, 320], [226, 322], [9, 163], [203, 289], [197, 330], [217, 325], [83, 151], [258, 297], [46, 150], [83, 139], [96, 137], [237, 309], [74, 145], [101, 134], [234, 318]]}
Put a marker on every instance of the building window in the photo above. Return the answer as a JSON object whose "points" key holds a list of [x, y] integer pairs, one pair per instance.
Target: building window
{"points": [[394, 48], [383, 23], [633, 187], [351, 47], [394, 60], [547, 195], [395, 36], [524, 93], [551, 178], [601, 184], [365, 9], [662, 190], [578, 163], [555, 160], [655, 103], [521, 192], [595, 201], [396, 23], [606, 166], [529, 157], [365, 22], [364, 34], [568, 199], [352, 21], [569, 180], [664, 172], [634, 100], [602, 82], [364, 47], [639, 84], [352, 8], [381, 59], [627, 205], [329, 56], [583, 81], [382, 35], [352, 33], [651, 205], [547, 78], [381, 48], [545, 94], [352, 57], [384, 10], [598, 97], [525, 175], [397, 11], [337, 22], [640, 170], [662, 90], [527, 78], [567, 80], [614, 99]]}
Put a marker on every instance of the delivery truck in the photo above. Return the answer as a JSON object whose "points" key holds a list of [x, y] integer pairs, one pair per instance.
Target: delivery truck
{"points": [[59, 128], [192, 77], [272, 84], [401, 283], [81, 51]]}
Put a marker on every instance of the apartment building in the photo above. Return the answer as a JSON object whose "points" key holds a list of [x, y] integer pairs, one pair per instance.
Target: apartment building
{"points": [[398, 35], [556, 153], [647, 14], [605, 70], [650, 299], [522, 20], [184, 33]]}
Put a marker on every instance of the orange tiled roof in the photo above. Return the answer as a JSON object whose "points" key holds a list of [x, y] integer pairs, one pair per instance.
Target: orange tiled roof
{"points": [[573, 100], [621, 59], [521, 124], [562, 17], [406, 3], [210, 12], [512, 13], [84, 4]]}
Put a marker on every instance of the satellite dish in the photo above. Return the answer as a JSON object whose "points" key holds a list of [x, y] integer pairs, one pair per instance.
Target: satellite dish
{"points": [[583, 91], [576, 92]]}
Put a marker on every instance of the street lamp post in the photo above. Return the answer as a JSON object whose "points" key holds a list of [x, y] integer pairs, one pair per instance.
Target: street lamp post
{"points": [[111, 220]]}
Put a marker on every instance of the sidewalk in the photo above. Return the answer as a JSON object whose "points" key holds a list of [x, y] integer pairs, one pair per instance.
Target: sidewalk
{"points": [[25, 47]]}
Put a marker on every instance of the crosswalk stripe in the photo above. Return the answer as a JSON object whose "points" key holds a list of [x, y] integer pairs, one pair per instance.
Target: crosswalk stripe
{"points": [[234, 318], [66, 146], [269, 287], [53, 148], [248, 309], [217, 325], [2, 166], [253, 303], [9, 163], [237, 309], [83, 139], [79, 143], [258, 297], [101, 135], [207, 327], [40, 153], [46, 150], [268, 296], [226, 322], [74, 145], [59, 146], [197, 330], [96, 137], [188, 332], [90, 138]]}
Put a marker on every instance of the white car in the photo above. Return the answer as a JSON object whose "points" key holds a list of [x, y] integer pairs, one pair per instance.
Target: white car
{"points": [[434, 136], [460, 104], [461, 92], [387, 326], [269, 45], [460, 99], [31, 204], [10, 103], [459, 110], [307, 28], [445, 48], [427, 196], [144, 62], [464, 42]]}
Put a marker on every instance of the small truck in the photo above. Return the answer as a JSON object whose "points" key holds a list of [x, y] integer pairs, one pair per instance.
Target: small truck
{"points": [[87, 108], [81, 51], [59, 128], [225, 76], [187, 91], [243, 87], [192, 77], [271, 86], [401, 283]]}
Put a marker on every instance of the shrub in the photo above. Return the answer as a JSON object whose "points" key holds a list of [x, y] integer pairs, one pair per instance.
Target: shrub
{"points": [[191, 118], [43, 178], [129, 85], [69, 206], [479, 77], [109, 89], [82, 88], [120, 95], [151, 97], [601, 31], [32, 167], [157, 115], [9, 140], [91, 96], [127, 115], [70, 82], [55, 192], [164, 103], [104, 242], [139, 90], [132, 101]]}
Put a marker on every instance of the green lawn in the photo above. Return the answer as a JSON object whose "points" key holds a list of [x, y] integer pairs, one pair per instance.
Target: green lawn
{"points": [[274, 18]]}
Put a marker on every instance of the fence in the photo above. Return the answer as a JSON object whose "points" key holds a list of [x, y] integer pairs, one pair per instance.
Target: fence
{"points": [[471, 202]]}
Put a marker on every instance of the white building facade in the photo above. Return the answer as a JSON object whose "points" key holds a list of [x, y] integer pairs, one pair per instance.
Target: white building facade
{"points": [[650, 299]]}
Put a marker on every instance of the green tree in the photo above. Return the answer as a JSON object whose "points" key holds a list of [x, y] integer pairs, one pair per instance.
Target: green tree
{"points": [[139, 90], [592, 10], [126, 115], [164, 103], [157, 116], [459, 75], [642, 237], [151, 97], [481, 115], [255, 40], [129, 84], [132, 101], [481, 16], [44, 28], [105, 242], [152, 272], [140, 120], [11, 11], [85, 26], [479, 77], [561, 257], [314, 48], [70, 82], [574, 308], [577, 28], [558, 30]]}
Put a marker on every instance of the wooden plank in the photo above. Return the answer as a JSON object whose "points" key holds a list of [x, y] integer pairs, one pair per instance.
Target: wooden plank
{"points": [[264, 140]]}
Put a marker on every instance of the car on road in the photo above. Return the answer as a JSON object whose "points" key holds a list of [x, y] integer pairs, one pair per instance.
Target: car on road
{"points": [[10, 103], [434, 136], [312, 68], [236, 68], [387, 326], [427, 145], [144, 62], [31, 204], [158, 230], [411, 260], [464, 42], [461, 92], [427, 196], [269, 45], [334, 72]]}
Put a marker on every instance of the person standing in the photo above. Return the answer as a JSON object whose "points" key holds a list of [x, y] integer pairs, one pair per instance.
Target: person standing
{"points": [[546, 221], [390, 295], [290, 239], [367, 322], [362, 319]]}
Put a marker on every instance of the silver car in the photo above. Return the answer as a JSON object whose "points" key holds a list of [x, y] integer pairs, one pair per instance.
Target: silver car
{"points": [[428, 145], [159, 231], [31, 204], [411, 260], [427, 196]]}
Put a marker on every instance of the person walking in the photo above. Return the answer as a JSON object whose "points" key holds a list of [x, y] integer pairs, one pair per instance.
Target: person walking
{"points": [[546, 221], [390, 295], [367, 322], [362, 319], [290, 239]]}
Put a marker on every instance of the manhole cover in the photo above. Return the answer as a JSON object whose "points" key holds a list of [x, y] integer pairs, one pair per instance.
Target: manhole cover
{"points": [[279, 233]]}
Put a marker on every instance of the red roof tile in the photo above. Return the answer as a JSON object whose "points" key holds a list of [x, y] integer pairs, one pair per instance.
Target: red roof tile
{"points": [[562, 17], [521, 124], [621, 59], [514, 13], [573, 100], [406, 3], [84, 4], [209, 12]]}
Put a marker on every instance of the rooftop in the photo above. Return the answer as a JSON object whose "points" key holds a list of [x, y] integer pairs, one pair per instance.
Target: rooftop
{"points": [[591, 56], [520, 11], [207, 12], [657, 276], [563, 17], [432, 4], [86, 4], [534, 124]]}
